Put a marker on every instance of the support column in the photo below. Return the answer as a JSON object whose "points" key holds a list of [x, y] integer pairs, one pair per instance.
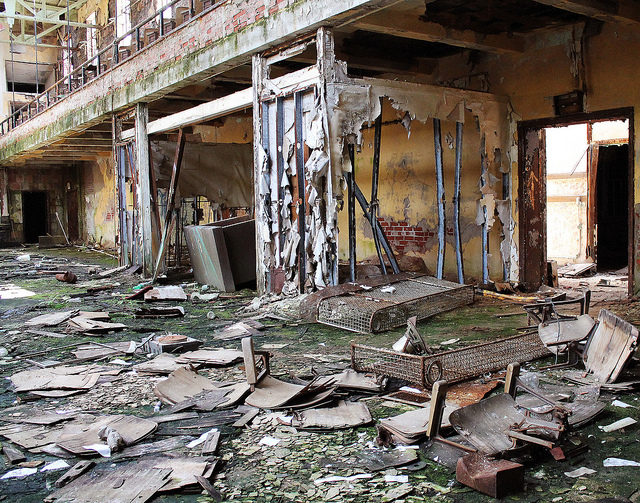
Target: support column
{"points": [[144, 188], [262, 196]]}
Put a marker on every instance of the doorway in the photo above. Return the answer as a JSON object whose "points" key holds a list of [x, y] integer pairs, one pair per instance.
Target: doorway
{"points": [[575, 197], [611, 208], [34, 215]]}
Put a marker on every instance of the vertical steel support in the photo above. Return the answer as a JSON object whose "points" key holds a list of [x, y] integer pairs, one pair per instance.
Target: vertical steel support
{"points": [[142, 167], [485, 230], [373, 203], [121, 185], [456, 202], [351, 208], [302, 203], [280, 167], [437, 140]]}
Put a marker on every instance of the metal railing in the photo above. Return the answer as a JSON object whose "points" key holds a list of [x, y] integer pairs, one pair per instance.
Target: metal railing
{"points": [[95, 66]]}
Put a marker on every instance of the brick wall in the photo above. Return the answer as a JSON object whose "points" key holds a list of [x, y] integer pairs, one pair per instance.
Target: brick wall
{"points": [[404, 237]]}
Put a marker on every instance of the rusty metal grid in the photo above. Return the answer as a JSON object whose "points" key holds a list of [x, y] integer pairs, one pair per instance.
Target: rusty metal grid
{"points": [[456, 365], [376, 311]]}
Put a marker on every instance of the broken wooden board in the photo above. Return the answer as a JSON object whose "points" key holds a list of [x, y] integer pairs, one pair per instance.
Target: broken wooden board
{"points": [[411, 427], [91, 351], [51, 319], [180, 385], [344, 415], [575, 270], [74, 472], [46, 418], [13, 455], [159, 447], [46, 379], [350, 379], [610, 347], [239, 330], [183, 470], [213, 357], [126, 484], [555, 334], [164, 363], [160, 312], [271, 393], [132, 429], [89, 326], [171, 292]]}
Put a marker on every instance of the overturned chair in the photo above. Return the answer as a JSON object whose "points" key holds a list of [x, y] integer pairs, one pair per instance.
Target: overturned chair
{"points": [[494, 428]]}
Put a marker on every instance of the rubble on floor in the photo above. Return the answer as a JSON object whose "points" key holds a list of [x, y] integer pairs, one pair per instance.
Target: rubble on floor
{"points": [[254, 404]]}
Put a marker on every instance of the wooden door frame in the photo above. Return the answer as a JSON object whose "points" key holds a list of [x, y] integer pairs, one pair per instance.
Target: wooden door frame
{"points": [[626, 113]]}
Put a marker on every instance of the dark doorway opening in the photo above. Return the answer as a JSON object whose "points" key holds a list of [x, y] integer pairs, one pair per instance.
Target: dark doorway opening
{"points": [[609, 222], [612, 187], [34, 215]]}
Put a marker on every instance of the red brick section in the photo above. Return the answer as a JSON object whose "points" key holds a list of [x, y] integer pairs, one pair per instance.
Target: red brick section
{"points": [[404, 237]]}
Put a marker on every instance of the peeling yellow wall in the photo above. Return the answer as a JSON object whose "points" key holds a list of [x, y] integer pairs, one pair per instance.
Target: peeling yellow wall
{"points": [[407, 193], [531, 80], [98, 195]]}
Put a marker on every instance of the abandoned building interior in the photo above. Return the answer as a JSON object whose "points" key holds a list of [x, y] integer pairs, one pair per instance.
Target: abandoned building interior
{"points": [[338, 239]]}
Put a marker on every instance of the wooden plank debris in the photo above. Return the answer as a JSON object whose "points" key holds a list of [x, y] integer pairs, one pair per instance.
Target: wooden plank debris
{"points": [[170, 292], [345, 415], [13, 455], [211, 356], [132, 429], [160, 312], [74, 472], [164, 363], [93, 327], [610, 347], [239, 330], [50, 319], [126, 484]]}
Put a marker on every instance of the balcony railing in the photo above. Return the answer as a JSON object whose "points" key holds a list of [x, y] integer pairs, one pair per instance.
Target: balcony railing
{"points": [[149, 30]]}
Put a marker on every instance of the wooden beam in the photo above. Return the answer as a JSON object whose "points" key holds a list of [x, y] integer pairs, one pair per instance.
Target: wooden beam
{"points": [[201, 113], [144, 189], [406, 26], [226, 105], [623, 11]]}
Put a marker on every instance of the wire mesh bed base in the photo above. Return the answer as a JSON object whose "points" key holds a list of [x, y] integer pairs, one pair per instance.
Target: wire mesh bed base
{"points": [[453, 366], [378, 309]]}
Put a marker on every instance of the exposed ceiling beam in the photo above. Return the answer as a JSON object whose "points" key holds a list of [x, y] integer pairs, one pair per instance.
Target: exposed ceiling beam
{"points": [[624, 11], [46, 20], [403, 25]]}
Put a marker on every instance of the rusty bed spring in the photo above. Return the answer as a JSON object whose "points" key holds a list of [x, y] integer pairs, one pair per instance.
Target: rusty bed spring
{"points": [[376, 311], [454, 366]]}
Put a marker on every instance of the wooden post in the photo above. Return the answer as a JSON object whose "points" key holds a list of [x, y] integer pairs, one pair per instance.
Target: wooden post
{"points": [[248, 353], [513, 371], [144, 194], [438, 395]]}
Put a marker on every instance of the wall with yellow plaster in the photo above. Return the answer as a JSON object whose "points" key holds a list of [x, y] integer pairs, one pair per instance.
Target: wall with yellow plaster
{"points": [[98, 197], [544, 70], [407, 194]]}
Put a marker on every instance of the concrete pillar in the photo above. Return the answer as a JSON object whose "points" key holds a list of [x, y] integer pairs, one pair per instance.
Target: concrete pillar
{"points": [[144, 237]]}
